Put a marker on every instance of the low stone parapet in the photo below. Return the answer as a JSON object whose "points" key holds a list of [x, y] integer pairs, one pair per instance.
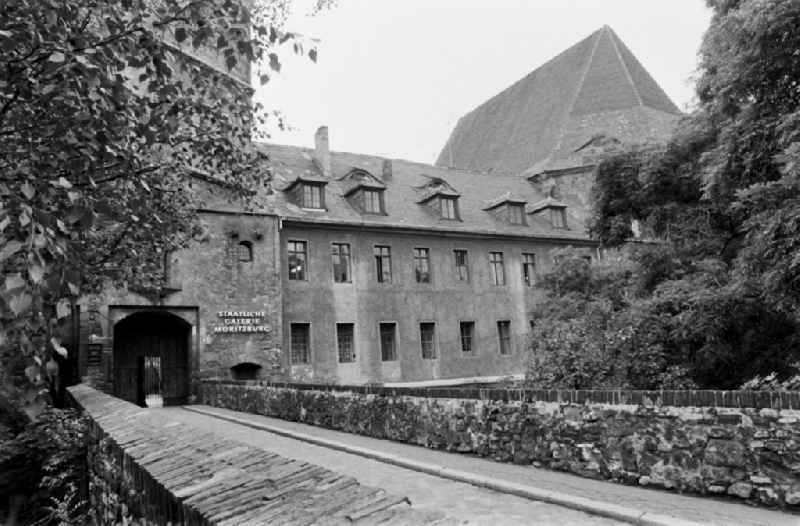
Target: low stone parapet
{"points": [[145, 468], [738, 448]]}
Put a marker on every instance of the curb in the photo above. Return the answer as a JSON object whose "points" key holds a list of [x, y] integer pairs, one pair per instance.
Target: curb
{"points": [[594, 507]]}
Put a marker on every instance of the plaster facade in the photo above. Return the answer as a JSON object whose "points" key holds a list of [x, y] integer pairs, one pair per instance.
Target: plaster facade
{"points": [[446, 301]]}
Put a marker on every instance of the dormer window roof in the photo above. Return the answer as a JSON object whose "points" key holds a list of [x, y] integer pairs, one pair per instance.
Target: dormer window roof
{"points": [[364, 191], [307, 192], [507, 208], [436, 187], [556, 211], [443, 205], [357, 179], [440, 198]]}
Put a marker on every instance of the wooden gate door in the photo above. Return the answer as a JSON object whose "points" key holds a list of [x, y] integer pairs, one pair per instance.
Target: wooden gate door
{"points": [[151, 357]]}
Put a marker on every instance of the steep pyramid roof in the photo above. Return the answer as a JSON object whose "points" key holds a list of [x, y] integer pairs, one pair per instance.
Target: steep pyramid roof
{"points": [[596, 87]]}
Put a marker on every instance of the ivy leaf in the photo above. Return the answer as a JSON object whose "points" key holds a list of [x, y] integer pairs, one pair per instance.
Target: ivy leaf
{"points": [[20, 303], [28, 191], [36, 273], [14, 281], [10, 248], [63, 183], [60, 349], [63, 308]]}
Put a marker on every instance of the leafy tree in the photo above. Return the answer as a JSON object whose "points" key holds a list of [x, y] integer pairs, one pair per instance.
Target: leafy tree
{"points": [[723, 199], [106, 123]]}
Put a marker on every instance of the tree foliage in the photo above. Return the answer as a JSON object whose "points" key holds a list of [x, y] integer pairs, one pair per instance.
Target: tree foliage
{"points": [[608, 326], [106, 122], [717, 293]]}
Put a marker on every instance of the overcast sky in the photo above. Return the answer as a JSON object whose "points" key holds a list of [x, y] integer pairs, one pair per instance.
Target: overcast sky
{"points": [[394, 76]]}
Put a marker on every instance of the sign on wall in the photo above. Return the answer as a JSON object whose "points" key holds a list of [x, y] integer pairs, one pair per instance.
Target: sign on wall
{"points": [[234, 321]]}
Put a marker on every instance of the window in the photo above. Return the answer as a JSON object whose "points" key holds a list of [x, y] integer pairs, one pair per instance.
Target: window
{"points": [[422, 265], [345, 342], [528, 269], [467, 329], [340, 252], [427, 340], [300, 342], [504, 336], [462, 265], [388, 342], [372, 202], [448, 207], [297, 260], [516, 215], [245, 251], [558, 217], [383, 263], [497, 268], [312, 196]]}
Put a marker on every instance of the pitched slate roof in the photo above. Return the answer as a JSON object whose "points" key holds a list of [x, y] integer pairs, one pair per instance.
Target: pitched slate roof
{"points": [[408, 183], [595, 87]]}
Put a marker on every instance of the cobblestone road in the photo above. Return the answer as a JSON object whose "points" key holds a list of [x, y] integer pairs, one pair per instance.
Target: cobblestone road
{"points": [[468, 503]]}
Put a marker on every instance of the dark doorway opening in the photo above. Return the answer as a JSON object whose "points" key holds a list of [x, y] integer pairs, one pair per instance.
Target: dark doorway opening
{"points": [[151, 359]]}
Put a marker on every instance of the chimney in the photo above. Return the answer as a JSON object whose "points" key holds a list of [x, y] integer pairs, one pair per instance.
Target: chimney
{"points": [[322, 151], [387, 170]]}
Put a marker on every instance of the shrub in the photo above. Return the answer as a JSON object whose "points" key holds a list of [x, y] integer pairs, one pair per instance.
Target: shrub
{"points": [[50, 454], [600, 327]]}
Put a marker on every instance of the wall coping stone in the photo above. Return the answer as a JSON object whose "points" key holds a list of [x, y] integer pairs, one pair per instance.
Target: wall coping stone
{"points": [[180, 475], [778, 400]]}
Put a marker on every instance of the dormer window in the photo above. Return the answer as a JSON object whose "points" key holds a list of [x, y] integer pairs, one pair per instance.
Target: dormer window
{"points": [[373, 202], [448, 207], [307, 191], [516, 214], [364, 191], [552, 211], [313, 196], [558, 217], [507, 208], [439, 198]]}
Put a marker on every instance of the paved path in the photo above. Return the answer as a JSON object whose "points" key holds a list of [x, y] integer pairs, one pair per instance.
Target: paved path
{"points": [[699, 510], [466, 503]]}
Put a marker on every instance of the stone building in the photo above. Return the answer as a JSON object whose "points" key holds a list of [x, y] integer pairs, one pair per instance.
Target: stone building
{"points": [[560, 119], [361, 269]]}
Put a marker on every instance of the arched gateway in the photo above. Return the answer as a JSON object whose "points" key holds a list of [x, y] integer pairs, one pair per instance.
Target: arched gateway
{"points": [[151, 357]]}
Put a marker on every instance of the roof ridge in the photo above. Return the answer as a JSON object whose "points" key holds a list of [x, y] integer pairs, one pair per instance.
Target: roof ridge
{"points": [[530, 73], [628, 76], [369, 156], [578, 87]]}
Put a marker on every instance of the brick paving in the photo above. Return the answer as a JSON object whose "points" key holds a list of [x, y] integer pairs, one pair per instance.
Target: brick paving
{"points": [[465, 503], [217, 480], [710, 511]]}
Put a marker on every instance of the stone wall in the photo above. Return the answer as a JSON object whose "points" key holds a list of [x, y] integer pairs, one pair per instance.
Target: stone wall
{"points": [[146, 469], [206, 278], [749, 453]]}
